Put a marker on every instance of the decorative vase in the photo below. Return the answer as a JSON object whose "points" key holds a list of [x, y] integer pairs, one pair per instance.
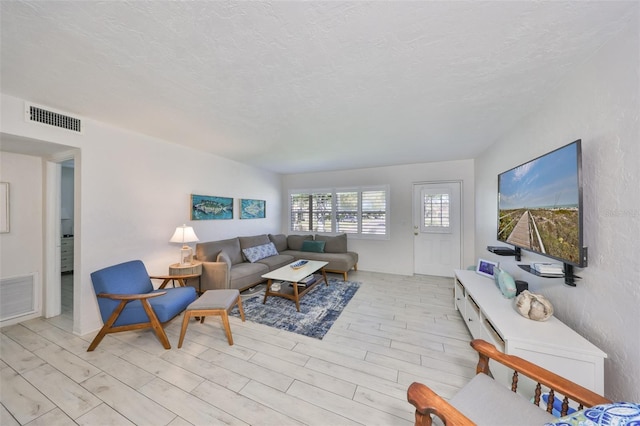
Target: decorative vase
{"points": [[534, 306]]}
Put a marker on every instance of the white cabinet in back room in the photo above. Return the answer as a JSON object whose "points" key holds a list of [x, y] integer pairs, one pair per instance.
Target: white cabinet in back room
{"points": [[66, 254]]}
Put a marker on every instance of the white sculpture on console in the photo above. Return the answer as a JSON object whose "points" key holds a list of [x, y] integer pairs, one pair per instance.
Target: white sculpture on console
{"points": [[534, 306]]}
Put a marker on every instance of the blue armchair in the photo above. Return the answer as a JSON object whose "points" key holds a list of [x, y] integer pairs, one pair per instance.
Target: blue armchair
{"points": [[128, 301]]}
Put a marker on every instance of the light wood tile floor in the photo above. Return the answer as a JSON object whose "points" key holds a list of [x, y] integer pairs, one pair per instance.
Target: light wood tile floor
{"points": [[395, 330]]}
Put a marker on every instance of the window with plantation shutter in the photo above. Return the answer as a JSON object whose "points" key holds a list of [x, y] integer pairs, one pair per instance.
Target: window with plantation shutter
{"points": [[361, 212], [374, 212], [300, 208], [347, 217], [311, 211], [321, 210]]}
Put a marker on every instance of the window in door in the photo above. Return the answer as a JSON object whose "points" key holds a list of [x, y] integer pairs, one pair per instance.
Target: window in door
{"points": [[436, 212]]}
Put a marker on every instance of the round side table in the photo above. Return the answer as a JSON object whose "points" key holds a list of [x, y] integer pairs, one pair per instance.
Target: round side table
{"points": [[194, 268], [184, 272]]}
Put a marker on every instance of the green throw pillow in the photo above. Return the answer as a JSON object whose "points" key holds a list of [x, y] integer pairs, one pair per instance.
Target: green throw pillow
{"points": [[314, 246]]}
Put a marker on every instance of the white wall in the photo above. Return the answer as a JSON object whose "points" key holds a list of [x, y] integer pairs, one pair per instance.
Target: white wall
{"points": [[21, 248], [132, 192], [598, 103], [396, 254]]}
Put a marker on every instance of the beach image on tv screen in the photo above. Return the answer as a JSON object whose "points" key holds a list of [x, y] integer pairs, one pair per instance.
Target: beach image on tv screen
{"points": [[539, 205]]}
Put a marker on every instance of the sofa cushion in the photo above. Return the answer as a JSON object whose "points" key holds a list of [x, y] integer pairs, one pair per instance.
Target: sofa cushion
{"points": [[294, 242], [280, 241], [247, 274], [208, 252], [254, 240], [313, 246], [256, 253], [337, 261], [275, 262], [336, 244]]}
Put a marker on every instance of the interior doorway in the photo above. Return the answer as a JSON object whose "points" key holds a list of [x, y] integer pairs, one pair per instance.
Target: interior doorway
{"points": [[437, 228], [67, 209], [60, 280]]}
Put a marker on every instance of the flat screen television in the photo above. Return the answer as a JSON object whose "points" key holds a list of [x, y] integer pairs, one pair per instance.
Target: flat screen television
{"points": [[540, 207]]}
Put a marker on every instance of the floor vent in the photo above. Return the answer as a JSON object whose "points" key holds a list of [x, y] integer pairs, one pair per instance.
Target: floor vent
{"points": [[17, 296], [38, 114]]}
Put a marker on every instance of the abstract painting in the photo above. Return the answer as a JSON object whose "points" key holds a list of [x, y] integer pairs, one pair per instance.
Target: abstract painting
{"points": [[206, 207], [252, 209]]}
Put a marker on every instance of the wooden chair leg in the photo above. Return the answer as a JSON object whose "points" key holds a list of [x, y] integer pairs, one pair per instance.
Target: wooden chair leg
{"points": [[185, 324], [155, 324], [240, 308], [227, 328], [96, 340], [107, 326]]}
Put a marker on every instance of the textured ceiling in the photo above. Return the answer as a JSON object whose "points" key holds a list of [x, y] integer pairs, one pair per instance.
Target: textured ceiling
{"points": [[303, 86]]}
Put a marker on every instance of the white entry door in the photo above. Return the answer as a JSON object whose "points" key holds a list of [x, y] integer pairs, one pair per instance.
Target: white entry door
{"points": [[436, 228]]}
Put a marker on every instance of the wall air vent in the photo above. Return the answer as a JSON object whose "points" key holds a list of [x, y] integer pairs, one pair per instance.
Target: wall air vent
{"points": [[17, 296], [36, 114]]}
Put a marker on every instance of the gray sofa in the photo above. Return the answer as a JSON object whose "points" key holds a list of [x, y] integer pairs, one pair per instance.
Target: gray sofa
{"points": [[225, 265]]}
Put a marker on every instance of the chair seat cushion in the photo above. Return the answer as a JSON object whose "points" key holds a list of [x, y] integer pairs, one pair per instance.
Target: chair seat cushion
{"points": [[489, 403], [215, 299], [166, 306]]}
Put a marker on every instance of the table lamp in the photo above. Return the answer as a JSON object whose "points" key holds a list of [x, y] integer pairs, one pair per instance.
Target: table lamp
{"points": [[184, 234]]}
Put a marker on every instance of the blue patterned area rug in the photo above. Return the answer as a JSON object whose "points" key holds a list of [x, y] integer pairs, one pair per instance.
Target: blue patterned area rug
{"points": [[318, 309]]}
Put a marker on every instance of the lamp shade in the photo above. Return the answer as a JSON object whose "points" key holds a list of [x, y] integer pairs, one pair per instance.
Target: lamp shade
{"points": [[184, 234]]}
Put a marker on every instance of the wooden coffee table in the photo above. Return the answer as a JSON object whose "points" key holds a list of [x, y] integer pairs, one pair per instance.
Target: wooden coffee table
{"points": [[294, 275]]}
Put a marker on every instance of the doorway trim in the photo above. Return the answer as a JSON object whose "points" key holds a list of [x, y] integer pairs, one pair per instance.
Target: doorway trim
{"points": [[460, 183], [53, 233]]}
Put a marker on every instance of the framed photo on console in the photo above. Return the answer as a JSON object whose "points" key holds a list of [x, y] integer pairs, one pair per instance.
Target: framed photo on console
{"points": [[486, 268]]}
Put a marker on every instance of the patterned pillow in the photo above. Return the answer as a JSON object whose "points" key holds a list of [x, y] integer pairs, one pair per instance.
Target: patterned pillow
{"points": [[253, 254], [619, 413]]}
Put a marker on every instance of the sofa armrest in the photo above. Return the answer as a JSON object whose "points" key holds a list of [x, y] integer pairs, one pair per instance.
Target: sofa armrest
{"points": [[215, 275]]}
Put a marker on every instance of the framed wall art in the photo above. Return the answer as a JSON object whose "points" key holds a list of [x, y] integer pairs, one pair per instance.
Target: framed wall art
{"points": [[252, 209], [4, 207], [206, 207]]}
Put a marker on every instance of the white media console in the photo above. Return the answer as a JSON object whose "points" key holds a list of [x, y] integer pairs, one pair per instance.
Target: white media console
{"points": [[550, 344]]}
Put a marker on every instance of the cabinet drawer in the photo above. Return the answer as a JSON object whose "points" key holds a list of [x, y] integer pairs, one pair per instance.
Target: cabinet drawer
{"points": [[472, 316], [458, 294], [490, 334]]}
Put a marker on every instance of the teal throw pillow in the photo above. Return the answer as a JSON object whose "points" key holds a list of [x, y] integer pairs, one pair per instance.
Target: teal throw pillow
{"points": [[313, 246]]}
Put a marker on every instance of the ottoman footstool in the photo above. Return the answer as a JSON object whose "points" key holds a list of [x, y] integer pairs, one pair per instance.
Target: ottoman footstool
{"points": [[213, 302]]}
